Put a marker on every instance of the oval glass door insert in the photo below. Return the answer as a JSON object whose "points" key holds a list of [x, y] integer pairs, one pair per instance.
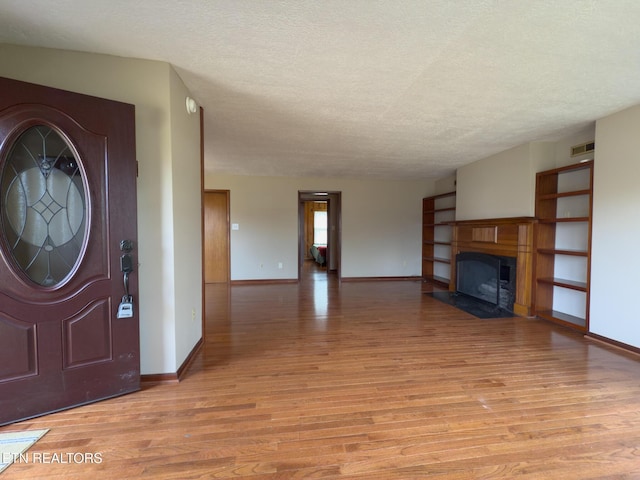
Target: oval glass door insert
{"points": [[43, 206]]}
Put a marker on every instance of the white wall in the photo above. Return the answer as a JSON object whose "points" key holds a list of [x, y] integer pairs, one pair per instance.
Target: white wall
{"points": [[148, 85], [502, 185], [446, 184], [187, 221], [381, 225], [616, 228]]}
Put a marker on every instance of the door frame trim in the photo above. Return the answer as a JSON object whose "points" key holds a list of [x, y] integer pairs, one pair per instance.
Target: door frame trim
{"points": [[202, 170], [334, 205]]}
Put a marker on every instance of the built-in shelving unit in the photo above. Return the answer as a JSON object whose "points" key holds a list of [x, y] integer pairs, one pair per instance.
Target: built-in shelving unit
{"points": [[563, 244], [437, 233]]}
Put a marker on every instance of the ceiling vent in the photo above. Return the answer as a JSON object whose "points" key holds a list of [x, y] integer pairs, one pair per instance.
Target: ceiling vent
{"points": [[588, 147]]}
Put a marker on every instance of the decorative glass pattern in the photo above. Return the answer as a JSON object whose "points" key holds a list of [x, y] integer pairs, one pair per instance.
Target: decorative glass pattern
{"points": [[43, 206]]}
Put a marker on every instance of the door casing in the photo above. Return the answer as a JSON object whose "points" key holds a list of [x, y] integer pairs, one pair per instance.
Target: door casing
{"points": [[334, 209]]}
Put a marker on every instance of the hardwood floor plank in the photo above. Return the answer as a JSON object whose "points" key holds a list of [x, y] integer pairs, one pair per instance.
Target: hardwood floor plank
{"points": [[371, 380]]}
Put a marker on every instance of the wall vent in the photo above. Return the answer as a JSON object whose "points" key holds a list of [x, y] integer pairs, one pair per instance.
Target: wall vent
{"points": [[582, 149]]}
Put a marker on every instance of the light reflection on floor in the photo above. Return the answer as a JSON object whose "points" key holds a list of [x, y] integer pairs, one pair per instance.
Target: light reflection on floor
{"points": [[316, 278]]}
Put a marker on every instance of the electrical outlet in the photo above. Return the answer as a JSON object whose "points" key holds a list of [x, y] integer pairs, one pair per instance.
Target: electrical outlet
{"points": [[193, 314], [280, 265]]}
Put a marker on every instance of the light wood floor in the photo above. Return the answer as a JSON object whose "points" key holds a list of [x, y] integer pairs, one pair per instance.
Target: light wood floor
{"points": [[367, 380]]}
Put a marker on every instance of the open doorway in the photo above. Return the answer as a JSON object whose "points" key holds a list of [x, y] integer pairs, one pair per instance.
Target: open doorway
{"points": [[319, 231]]}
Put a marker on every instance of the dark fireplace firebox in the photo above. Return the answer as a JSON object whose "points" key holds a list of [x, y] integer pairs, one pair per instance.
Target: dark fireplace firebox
{"points": [[489, 278]]}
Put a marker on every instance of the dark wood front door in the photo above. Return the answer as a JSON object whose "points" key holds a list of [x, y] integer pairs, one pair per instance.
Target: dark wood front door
{"points": [[67, 201]]}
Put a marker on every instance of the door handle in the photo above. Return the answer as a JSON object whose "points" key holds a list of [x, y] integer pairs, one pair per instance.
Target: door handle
{"points": [[126, 266], [125, 310]]}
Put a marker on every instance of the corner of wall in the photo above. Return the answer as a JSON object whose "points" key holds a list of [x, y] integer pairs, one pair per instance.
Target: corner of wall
{"points": [[445, 184], [187, 220]]}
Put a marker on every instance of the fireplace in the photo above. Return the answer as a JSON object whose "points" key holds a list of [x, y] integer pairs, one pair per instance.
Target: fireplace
{"points": [[490, 278], [502, 237]]}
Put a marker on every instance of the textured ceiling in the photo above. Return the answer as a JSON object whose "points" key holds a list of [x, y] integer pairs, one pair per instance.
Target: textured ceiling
{"points": [[387, 89]]}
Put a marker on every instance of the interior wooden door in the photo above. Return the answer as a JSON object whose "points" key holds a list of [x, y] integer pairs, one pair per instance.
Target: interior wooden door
{"points": [[67, 201], [216, 236]]}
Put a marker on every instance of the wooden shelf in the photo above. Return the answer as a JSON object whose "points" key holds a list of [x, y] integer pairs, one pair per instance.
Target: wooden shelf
{"points": [[438, 259], [442, 280], [563, 318], [438, 224], [563, 219], [558, 251], [441, 195], [551, 187], [575, 193], [561, 282], [438, 212]]}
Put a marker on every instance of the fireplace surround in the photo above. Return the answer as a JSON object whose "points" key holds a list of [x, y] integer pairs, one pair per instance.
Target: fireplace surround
{"points": [[501, 237]]}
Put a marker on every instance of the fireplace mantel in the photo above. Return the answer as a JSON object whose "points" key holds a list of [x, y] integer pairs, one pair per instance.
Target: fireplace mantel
{"points": [[509, 237]]}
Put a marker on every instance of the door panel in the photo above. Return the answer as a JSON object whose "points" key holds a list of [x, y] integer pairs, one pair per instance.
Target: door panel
{"points": [[18, 358], [67, 199], [86, 337], [216, 237]]}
